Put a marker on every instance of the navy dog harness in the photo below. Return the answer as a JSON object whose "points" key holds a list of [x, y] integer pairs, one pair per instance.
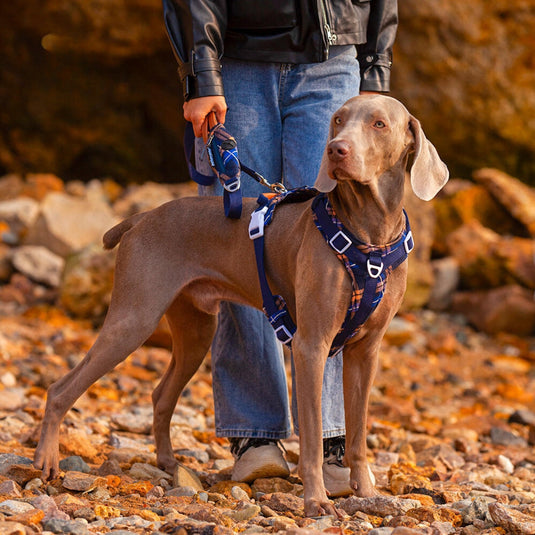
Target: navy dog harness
{"points": [[368, 265]]}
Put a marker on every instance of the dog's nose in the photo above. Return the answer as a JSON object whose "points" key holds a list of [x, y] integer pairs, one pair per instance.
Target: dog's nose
{"points": [[337, 150]]}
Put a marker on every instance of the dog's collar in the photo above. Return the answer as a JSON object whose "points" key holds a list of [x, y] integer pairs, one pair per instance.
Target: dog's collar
{"points": [[368, 265]]}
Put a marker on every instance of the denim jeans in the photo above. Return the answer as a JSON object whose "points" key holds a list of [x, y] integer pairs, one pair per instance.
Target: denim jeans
{"points": [[279, 115]]}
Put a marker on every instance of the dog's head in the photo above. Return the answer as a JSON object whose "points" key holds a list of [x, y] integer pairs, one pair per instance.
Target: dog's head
{"points": [[372, 135]]}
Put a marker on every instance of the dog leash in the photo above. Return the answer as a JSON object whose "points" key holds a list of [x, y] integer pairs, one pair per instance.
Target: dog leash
{"points": [[368, 266], [222, 151]]}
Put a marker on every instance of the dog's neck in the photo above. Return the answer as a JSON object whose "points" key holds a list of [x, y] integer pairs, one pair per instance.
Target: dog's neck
{"points": [[372, 212]]}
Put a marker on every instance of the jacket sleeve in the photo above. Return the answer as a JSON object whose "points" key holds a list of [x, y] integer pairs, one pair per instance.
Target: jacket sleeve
{"points": [[375, 56], [196, 30]]}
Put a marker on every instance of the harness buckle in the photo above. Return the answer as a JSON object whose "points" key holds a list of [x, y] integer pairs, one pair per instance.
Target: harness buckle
{"points": [[232, 185], [408, 242], [374, 270], [343, 244], [256, 225], [283, 334]]}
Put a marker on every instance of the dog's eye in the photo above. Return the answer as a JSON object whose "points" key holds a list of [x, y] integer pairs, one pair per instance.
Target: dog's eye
{"points": [[379, 124], [337, 120]]}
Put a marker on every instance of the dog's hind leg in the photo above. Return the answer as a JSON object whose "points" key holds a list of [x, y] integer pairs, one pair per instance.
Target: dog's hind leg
{"points": [[192, 331], [132, 317]]}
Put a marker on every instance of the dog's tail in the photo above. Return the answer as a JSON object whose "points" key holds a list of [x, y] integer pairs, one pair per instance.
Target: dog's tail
{"points": [[114, 235]]}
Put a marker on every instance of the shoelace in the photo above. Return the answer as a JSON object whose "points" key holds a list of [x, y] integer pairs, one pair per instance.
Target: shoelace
{"points": [[334, 447], [238, 446]]}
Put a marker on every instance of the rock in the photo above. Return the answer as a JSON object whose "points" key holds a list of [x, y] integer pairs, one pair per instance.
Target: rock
{"points": [[505, 464], [74, 463], [441, 453], [509, 309], [39, 264], [133, 423], [446, 275], [7, 460], [22, 473], [380, 505], [70, 527], [184, 477], [14, 507], [146, 471], [239, 494], [477, 509], [19, 214], [110, 467], [269, 485], [78, 442], [517, 197], [12, 399], [488, 260], [282, 503], [11, 488], [182, 491], [245, 512], [49, 507], [12, 528], [67, 224], [87, 282], [503, 437], [81, 482], [512, 521], [434, 514], [142, 198], [522, 416]]}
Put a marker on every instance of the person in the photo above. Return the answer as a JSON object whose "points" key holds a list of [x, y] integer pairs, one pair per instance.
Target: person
{"points": [[274, 73]]}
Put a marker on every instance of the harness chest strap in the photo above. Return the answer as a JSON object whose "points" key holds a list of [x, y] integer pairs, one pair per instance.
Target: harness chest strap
{"points": [[368, 266]]}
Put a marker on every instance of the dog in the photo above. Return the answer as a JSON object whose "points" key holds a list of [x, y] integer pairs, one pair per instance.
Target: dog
{"points": [[183, 258]]}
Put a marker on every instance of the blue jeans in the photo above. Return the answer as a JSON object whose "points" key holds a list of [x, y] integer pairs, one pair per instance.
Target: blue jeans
{"points": [[279, 115]]}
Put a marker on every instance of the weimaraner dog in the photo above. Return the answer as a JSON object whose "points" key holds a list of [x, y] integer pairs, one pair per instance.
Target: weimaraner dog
{"points": [[183, 258]]}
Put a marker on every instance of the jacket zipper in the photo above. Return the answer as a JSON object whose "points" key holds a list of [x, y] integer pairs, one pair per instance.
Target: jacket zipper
{"points": [[329, 37]]}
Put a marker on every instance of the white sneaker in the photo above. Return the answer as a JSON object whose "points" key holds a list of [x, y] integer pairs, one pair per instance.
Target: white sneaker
{"points": [[335, 474], [257, 457]]}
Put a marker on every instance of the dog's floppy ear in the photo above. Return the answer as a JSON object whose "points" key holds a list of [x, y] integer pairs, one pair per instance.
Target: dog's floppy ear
{"points": [[428, 172], [324, 182]]}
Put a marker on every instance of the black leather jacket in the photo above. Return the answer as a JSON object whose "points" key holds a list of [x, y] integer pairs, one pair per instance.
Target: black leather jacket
{"points": [[285, 31]]}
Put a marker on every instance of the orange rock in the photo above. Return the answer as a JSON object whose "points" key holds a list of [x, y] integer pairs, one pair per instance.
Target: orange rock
{"points": [[224, 487], [138, 487], [38, 186], [106, 511], [29, 518], [436, 514]]}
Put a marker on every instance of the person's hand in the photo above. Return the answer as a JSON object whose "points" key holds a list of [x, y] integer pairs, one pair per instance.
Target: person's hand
{"points": [[196, 110]]}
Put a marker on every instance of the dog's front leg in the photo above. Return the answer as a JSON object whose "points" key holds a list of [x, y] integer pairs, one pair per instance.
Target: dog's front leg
{"points": [[309, 364], [360, 366]]}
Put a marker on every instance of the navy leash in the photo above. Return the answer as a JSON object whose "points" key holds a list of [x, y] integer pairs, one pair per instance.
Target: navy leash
{"points": [[222, 152]]}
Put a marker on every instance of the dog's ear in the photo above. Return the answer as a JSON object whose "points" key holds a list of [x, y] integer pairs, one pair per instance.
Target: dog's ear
{"points": [[324, 182], [428, 172]]}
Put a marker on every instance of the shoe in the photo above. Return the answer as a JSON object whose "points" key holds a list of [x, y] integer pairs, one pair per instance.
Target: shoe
{"points": [[257, 457], [335, 474]]}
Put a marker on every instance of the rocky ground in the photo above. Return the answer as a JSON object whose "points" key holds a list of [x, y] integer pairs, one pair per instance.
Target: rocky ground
{"points": [[451, 435], [452, 414]]}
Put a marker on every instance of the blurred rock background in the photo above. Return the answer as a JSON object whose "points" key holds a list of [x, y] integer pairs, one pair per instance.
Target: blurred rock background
{"points": [[89, 87]]}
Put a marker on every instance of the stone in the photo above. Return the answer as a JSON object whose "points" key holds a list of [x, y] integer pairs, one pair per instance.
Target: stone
{"points": [[133, 423], [81, 482], [380, 505], [68, 527], [14, 507], [11, 488], [7, 460], [446, 275], [19, 214], [517, 197], [509, 309], [245, 512], [147, 471], [283, 503], [239, 494], [505, 464], [504, 437], [48, 505], [511, 520], [67, 224], [12, 399], [75, 463], [185, 477], [39, 264], [11, 528], [87, 282], [142, 198], [522, 416], [488, 260]]}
